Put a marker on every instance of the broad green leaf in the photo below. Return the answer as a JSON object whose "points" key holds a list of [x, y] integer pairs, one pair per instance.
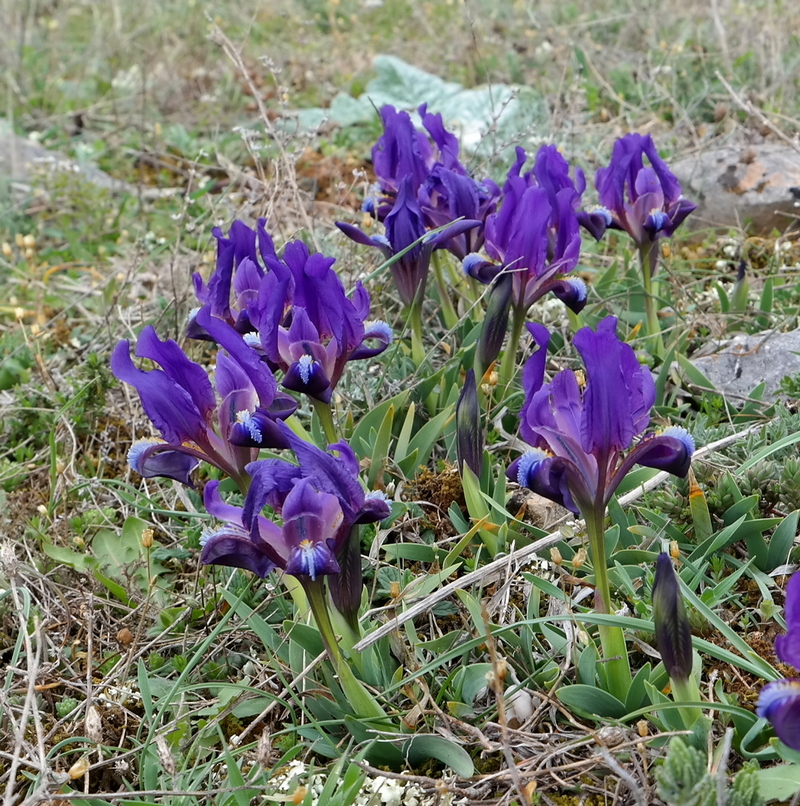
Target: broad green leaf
{"points": [[472, 680], [781, 542], [73, 559], [594, 702], [401, 448], [411, 551], [694, 374], [779, 783], [420, 749], [425, 438], [372, 421]]}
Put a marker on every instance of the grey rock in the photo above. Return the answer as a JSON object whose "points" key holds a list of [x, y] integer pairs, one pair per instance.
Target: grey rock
{"points": [[734, 185], [744, 361], [25, 162]]}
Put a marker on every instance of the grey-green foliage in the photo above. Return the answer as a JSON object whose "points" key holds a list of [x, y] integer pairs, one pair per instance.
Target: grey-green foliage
{"points": [[745, 790], [684, 781]]}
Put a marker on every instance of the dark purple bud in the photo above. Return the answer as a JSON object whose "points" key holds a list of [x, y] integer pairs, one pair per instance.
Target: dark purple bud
{"points": [[495, 322], [346, 586], [469, 435], [673, 633]]}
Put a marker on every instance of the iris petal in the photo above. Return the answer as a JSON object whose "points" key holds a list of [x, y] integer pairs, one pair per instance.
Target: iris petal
{"points": [[779, 702]]}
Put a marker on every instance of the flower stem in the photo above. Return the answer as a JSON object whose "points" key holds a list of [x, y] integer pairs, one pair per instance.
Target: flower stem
{"points": [[362, 702], [648, 261], [325, 416], [687, 691], [612, 639], [448, 311], [415, 318], [509, 362]]}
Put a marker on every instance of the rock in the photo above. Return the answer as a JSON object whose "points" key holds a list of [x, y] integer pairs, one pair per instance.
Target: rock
{"points": [[22, 160], [734, 185], [745, 361]]}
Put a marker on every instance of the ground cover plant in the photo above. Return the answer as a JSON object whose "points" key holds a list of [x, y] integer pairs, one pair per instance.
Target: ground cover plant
{"points": [[365, 461]]}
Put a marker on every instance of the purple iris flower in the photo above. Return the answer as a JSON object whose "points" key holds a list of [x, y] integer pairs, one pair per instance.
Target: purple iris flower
{"points": [[303, 546], [448, 195], [180, 401], [238, 273], [645, 200], [321, 502], [307, 326], [779, 701], [405, 225], [579, 435], [403, 152], [293, 311], [535, 235]]}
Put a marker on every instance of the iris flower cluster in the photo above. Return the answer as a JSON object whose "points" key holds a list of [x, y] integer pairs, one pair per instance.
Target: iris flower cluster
{"points": [[267, 314], [283, 324], [293, 310], [422, 186]]}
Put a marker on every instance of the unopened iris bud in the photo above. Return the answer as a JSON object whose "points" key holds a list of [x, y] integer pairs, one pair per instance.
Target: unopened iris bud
{"points": [[495, 323], [673, 633], [469, 441]]}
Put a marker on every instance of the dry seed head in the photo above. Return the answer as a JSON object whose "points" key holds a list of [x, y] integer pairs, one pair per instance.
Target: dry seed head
{"points": [[674, 550], [642, 728], [394, 589], [125, 636], [7, 250], [264, 749], [579, 559], [165, 757], [147, 538], [19, 240], [299, 795], [79, 768], [555, 556], [94, 725], [9, 564]]}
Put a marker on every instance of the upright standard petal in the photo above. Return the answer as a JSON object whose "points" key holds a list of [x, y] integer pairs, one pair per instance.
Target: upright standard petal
{"points": [[608, 424]]}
